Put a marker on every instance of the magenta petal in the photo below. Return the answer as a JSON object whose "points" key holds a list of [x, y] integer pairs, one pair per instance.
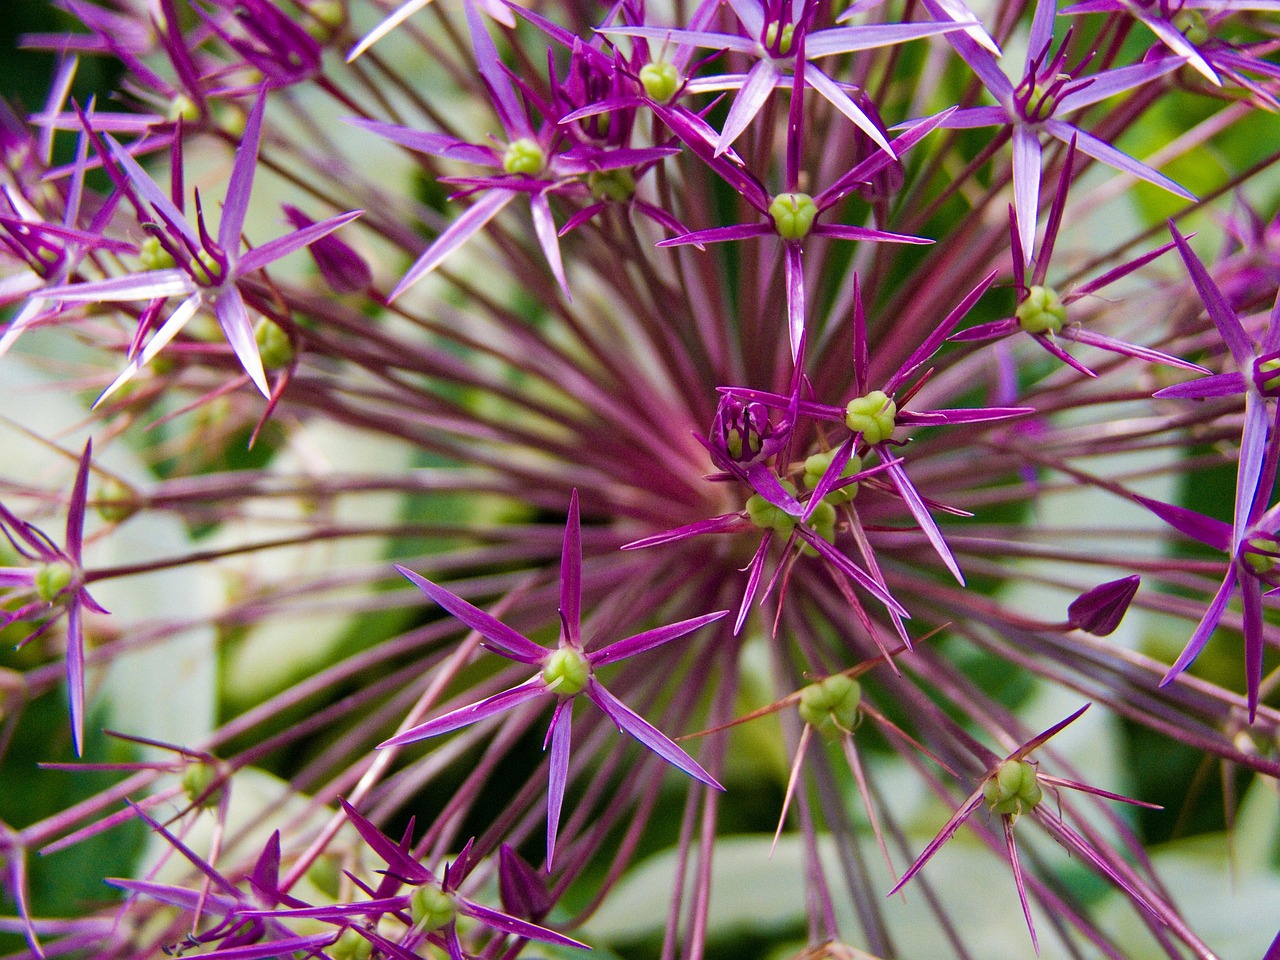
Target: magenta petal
{"points": [[1254, 642], [918, 510], [842, 232], [1080, 335], [505, 99], [499, 636], [437, 144], [940, 333], [531, 689], [650, 639], [275, 249], [986, 331], [1218, 385], [1111, 82], [754, 570], [75, 675], [1026, 185], [75, 510], [276, 948], [852, 571], [1100, 610], [1041, 30], [836, 96], [1220, 312], [1101, 150], [648, 735], [560, 735], [454, 236], [761, 80], [720, 524], [829, 476], [394, 855], [151, 193], [544, 226], [1207, 530], [515, 927], [234, 320], [793, 269], [1205, 628], [240, 184], [571, 574], [1253, 449], [945, 834], [739, 231]]}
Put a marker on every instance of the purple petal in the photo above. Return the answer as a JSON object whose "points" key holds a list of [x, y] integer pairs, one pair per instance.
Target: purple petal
{"points": [[692, 38], [338, 911], [75, 510], [739, 231], [973, 117], [499, 636], [986, 331], [234, 320], [1100, 610], [75, 675], [945, 834], [852, 571], [793, 269], [754, 570], [151, 193], [1026, 185], [829, 89], [649, 639], [561, 725], [1254, 642], [240, 184], [136, 286], [168, 330], [935, 339], [1101, 150], [276, 948], [1080, 335], [842, 232], [646, 733], [395, 856], [720, 524], [918, 510], [516, 927], [571, 574], [1253, 449], [465, 716], [1041, 33], [177, 896], [453, 236], [1111, 82], [823, 43], [545, 228], [761, 80], [436, 144], [505, 100], [1204, 630], [829, 476], [272, 250], [1207, 530], [1224, 318], [1218, 385]]}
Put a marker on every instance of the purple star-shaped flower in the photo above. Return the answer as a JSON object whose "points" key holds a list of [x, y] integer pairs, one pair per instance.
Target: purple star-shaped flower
{"points": [[204, 270], [563, 673], [58, 580]]}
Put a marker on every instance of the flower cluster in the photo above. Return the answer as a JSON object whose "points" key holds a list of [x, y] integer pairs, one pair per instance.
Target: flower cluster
{"points": [[694, 364]]}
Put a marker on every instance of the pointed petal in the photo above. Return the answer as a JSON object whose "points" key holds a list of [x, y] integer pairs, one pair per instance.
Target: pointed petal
{"points": [[1014, 863], [273, 250], [1224, 318], [1026, 185], [650, 639], [170, 329], [561, 725], [571, 574], [240, 183], [1217, 385], [754, 570], [1080, 335], [500, 637], [761, 80], [503, 93], [1101, 150], [544, 226], [829, 89], [1205, 628], [648, 735], [234, 320], [1254, 642], [720, 524], [1111, 82], [395, 856], [940, 333], [75, 509], [397, 16], [515, 927], [852, 571], [1207, 530], [453, 236], [906, 489], [75, 675], [793, 268], [465, 716], [135, 286], [945, 834]]}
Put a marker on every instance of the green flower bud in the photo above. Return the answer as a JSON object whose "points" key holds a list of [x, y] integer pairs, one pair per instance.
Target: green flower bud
{"points": [[874, 416], [793, 215], [772, 40], [325, 874], [1042, 102], [52, 579], [327, 18], [816, 465], [350, 946], [831, 705], [116, 501], [1260, 563], [1192, 25], [153, 256], [274, 345], [1013, 790], [617, 185], [768, 517], [823, 522], [196, 781], [524, 156], [660, 80], [183, 108], [431, 908], [1042, 312], [566, 672]]}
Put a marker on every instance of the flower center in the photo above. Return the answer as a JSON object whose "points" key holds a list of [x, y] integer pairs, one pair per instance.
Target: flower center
{"points": [[52, 579], [778, 40], [1042, 312], [793, 215], [873, 415], [431, 908], [566, 672], [818, 464], [831, 705], [1013, 790], [660, 80], [153, 256], [1266, 376], [523, 156]]}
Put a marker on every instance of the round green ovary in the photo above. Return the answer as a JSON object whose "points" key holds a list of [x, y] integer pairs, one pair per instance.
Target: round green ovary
{"points": [[618, 185], [831, 705], [523, 156], [1260, 563], [768, 517], [784, 44], [793, 215], [1042, 312], [350, 946], [1192, 25], [1013, 790], [51, 580], [566, 672], [874, 416], [1270, 370], [816, 465], [152, 256], [274, 346], [431, 908], [196, 781], [660, 81]]}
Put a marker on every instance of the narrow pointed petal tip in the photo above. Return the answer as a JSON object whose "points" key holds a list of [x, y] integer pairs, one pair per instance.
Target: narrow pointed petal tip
{"points": [[1100, 610]]}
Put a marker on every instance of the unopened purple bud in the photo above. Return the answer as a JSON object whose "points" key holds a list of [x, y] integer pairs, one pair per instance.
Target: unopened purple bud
{"points": [[521, 887], [743, 431], [342, 268], [1100, 610]]}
